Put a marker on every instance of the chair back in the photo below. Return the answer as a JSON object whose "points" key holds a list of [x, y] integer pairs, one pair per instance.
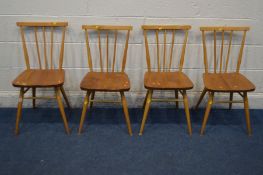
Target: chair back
{"points": [[43, 42], [160, 55], [108, 45], [219, 58]]}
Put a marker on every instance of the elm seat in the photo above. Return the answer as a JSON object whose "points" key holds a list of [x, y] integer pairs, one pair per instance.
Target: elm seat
{"points": [[167, 81], [227, 82], [40, 78], [103, 81]]}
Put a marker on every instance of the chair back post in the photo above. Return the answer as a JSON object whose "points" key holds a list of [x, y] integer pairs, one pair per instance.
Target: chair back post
{"points": [[43, 26], [61, 57], [26, 57], [107, 29], [241, 51], [183, 51], [166, 63], [125, 51], [223, 30]]}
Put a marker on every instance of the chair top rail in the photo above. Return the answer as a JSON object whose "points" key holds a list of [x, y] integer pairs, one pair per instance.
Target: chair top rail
{"points": [[42, 24], [106, 27], [166, 27], [224, 28]]}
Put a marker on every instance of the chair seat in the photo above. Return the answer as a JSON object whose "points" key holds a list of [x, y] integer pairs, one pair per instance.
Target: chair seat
{"points": [[102, 81], [227, 82], [167, 81], [39, 78]]}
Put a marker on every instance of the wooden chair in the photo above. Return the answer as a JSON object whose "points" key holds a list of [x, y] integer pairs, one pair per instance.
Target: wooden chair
{"points": [[220, 79], [166, 78], [107, 78], [47, 75]]}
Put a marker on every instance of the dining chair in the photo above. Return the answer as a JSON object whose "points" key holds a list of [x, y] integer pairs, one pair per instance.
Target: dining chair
{"points": [[166, 76], [109, 75], [38, 49], [217, 77]]}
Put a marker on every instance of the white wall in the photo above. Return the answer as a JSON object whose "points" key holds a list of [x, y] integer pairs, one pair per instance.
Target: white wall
{"points": [[129, 12]]}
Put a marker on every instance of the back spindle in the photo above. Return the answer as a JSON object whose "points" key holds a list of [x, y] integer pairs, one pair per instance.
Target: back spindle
{"points": [[221, 53], [229, 50], [37, 47], [115, 47], [223, 30], [45, 47], [171, 50], [164, 49]]}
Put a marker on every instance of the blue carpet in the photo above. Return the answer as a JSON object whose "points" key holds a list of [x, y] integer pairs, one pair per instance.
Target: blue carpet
{"points": [[105, 147]]}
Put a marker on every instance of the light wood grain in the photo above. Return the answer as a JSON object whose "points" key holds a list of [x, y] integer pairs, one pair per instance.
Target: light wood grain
{"points": [[166, 27], [84, 110], [106, 27], [19, 110], [224, 28], [126, 113], [207, 111], [61, 108], [146, 110], [41, 24]]}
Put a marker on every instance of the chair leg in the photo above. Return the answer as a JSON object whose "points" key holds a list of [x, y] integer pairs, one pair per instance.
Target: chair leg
{"points": [[230, 99], [84, 110], [19, 110], [146, 110], [34, 95], [201, 98], [65, 96], [187, 113], [61, 108], [246, 106], [176, 96], [145, 99], [126, 113], [208, 108], [92, 98]]}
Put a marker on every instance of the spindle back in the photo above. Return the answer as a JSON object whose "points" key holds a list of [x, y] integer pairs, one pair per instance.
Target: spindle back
{"points": [[220, 63], [44, 47], [165, 65], [107, 62]]}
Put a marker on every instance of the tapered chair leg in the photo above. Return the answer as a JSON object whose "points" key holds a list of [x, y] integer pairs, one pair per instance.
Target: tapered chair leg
{"points": [[246, 106], [230, 99], [126, 113], [61, 108], [201, 98], [145, 99], [19, 110], [146, 110], [84, 110], [208, 108], [65, 97], [92, 98], [187, 113], [176, 96], [34, 95]]}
